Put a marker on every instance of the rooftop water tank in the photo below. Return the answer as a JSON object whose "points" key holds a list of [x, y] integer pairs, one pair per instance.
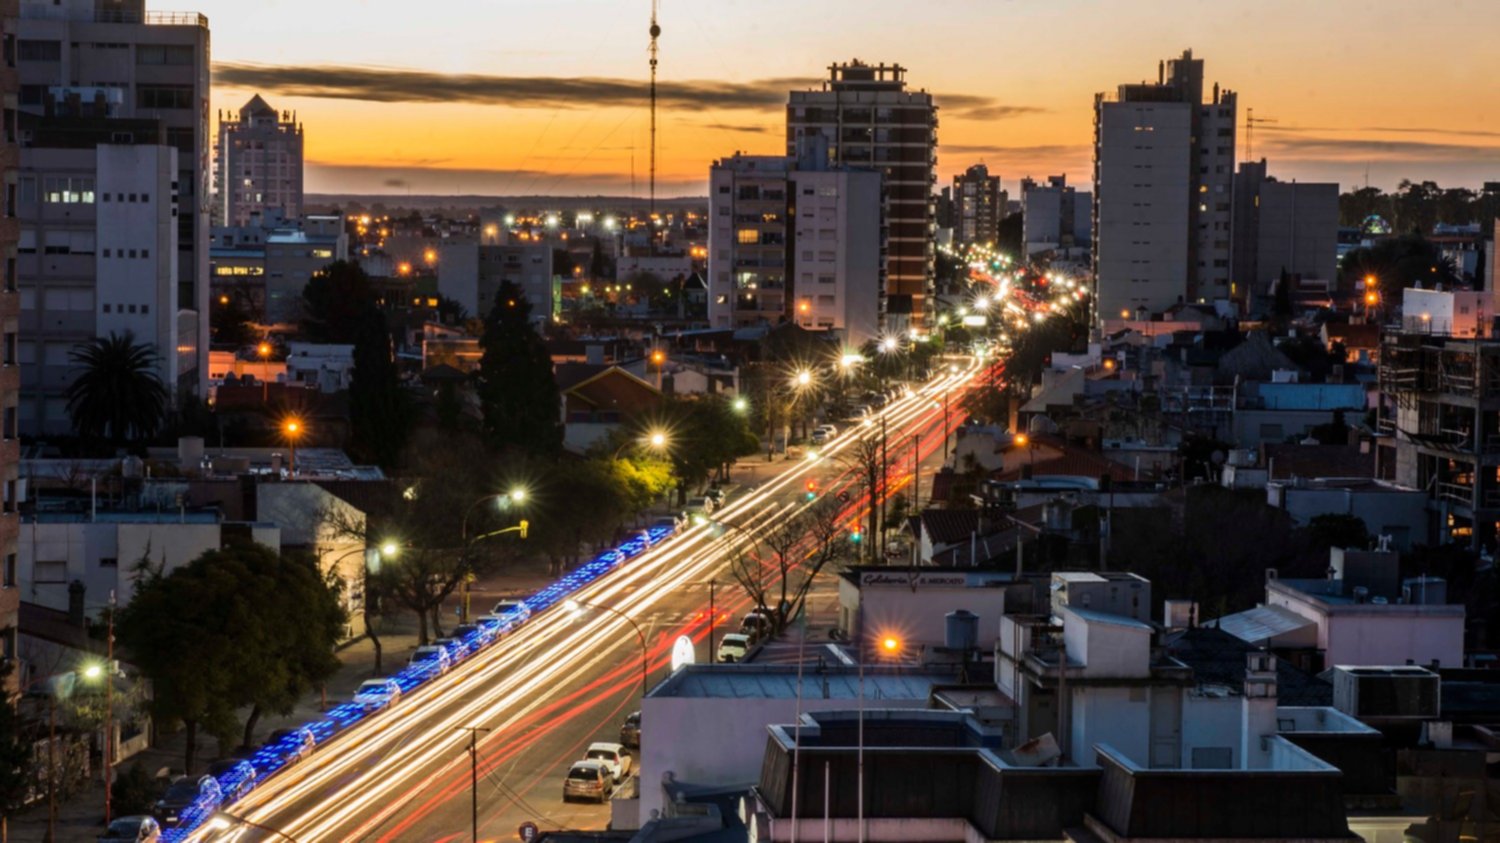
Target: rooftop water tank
{"points": [[962, 630]]}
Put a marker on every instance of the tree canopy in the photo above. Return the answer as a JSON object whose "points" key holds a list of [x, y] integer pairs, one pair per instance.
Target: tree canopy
{"points": [[517, 389], [380, 411], [118, 395], [1399, 262], [335, 301], [239, 626]]}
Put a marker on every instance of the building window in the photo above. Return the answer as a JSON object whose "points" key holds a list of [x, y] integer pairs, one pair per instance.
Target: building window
{"points": [[109, 562], [9, 575], [69, 190], [170, 54], [747, 236], [30, 49], [164, 96]]}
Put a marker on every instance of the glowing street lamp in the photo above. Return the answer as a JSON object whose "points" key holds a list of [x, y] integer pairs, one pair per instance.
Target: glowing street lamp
{"points": [[740, 405], [890, 645], [293, 430]]}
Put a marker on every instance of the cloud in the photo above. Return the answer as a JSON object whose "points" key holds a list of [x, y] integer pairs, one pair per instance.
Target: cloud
{"points": [[1362, 148], [378, 179], [372, 83], [729, 127], [998, 112], [1040, 150], [389, 85], [1402, 130]]}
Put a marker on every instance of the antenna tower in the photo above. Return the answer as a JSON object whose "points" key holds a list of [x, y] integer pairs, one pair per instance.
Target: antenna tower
{"points": [[655, 32]]}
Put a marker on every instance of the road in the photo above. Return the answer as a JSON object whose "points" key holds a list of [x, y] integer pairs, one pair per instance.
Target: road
{"points": [[561, 681]]}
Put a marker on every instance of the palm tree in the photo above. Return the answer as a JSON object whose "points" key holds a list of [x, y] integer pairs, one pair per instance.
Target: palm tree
{"points": [[118, 396]]}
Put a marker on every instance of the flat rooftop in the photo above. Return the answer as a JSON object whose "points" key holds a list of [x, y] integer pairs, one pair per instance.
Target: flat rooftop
{"points": [[755, 681]]}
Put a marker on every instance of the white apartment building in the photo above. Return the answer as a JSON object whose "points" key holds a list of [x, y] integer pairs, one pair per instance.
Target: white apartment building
{"points": [[259, 165], [1163, 193], [788, 244], [98, 256], [111, 62], [1055, 216], [471, 274], [867, 118]]}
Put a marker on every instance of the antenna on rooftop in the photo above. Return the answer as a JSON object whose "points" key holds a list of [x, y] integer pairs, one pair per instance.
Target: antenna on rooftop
{"points": [[1251, 121], [655, 32]]}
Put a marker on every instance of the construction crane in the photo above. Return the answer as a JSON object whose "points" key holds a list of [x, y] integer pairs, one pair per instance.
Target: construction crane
{"points": [[1251, 121], [655, 33]]}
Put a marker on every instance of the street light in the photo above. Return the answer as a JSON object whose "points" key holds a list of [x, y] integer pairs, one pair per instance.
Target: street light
{"points": [[740, 405], [292, 427], [576, 607]]}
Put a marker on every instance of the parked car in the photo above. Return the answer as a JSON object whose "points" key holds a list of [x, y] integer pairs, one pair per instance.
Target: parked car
{"points": [[630, 730], [717, 495], [433, 657], [497, 625], [820, 436], [477, 636], [136, 829], [300, 741], [375, 694], [188, 799], [829, 430], [613, 756], [756, 624], [514, 608], [667, 521], [458, 649], [588, 780], [236, 777], [733, 648], [702, 503]]}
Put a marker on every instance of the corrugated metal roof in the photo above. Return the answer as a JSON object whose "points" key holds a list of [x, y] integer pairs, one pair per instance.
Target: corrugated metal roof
{"points": [[753, 682], [1261, 623]]}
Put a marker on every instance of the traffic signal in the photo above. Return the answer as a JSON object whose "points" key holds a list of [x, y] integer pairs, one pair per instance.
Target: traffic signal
{"points": [[812, 488], [855, 535], [524, 526]]}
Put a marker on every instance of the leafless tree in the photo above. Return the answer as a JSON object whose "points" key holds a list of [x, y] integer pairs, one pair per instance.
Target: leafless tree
{"points": [[780, 565]]}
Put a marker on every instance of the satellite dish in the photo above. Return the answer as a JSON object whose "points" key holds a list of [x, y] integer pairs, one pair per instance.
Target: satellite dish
{"points": [[683, 652]]}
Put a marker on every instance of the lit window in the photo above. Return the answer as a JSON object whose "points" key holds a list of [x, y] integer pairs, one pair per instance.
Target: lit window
{"points": [[748, 236]]}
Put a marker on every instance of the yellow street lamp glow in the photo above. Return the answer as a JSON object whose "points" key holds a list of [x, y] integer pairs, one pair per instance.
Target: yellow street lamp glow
{"points": [[517, 495], [982, 303], [264, 349], [292, 427], [93, 671], [804, 378], [388, 550], [890, 644], [658, 440], [1021, 439], [888, 344], [1372, 298], [850, 360]]}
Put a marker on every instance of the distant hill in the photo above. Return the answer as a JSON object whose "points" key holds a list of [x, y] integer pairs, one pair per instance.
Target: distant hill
{"points": [[324, 201]]}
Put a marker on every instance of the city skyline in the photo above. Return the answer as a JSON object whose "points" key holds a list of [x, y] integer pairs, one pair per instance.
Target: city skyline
{"points": [[564, 113]]}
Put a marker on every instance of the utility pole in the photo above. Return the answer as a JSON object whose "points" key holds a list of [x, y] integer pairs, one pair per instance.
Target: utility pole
{"points": [[473, 777], [109, 703], [713, 618], [885, 462]]}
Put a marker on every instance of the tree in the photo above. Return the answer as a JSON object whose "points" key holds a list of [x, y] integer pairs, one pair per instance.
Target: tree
{"points": [[118, 395], [517, 390], [230, 319], [578, 503], [1336, 529], [380, 411], [1335, 432], [134, 791], [779, 567], [238, 626], [335, 301], [1010, 236], [1397, 263], [15, 752]]}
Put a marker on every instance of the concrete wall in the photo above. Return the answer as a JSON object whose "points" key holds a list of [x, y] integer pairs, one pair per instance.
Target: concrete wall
{"points": [[919, 617], [1379, 635], [1107, 649], [1119, 716], [716, 741], [1210, 722], [1400, 514]]}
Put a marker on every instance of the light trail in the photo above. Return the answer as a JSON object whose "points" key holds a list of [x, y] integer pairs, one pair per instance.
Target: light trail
{"points": [[364, 776]]}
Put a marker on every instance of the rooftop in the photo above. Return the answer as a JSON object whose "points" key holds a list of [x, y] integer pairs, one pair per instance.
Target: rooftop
{"points": [[754, 681]]}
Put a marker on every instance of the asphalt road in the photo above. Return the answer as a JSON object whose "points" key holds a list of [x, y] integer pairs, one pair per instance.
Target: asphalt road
{"points": [[548, 690]]}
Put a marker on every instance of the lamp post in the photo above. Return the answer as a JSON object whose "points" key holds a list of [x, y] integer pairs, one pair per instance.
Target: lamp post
{"points": [[264, 350], [90, 672], [576, 606], [292, 427], [515, 497]]}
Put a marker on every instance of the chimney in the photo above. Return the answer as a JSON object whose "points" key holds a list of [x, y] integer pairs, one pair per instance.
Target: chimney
{"points": [[75, 603]]}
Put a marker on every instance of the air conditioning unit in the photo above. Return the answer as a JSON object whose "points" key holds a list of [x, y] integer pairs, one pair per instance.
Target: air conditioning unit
{"points": [[1386, 693]]}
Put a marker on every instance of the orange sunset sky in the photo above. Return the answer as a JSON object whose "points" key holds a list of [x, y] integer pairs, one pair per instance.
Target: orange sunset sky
{"points": [[549, 96]]}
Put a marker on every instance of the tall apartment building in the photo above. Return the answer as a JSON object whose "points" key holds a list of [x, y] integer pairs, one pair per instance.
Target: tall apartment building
{"points": [[978, 206], [794, 241], [1163, 188], [10, 376], [259, 166], [1280, 226], [869, 119], [471, 273], [111, 60], [1054, 215]]}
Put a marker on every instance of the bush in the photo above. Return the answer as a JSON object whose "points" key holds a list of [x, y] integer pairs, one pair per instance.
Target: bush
{"points": [[134, 792]]}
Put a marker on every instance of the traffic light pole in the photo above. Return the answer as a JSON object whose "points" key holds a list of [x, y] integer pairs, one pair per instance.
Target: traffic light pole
{"points": [[473, 777]]}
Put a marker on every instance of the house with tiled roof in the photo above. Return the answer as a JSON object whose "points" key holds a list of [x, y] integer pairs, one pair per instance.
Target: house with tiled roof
{"points": [[597, 399]]}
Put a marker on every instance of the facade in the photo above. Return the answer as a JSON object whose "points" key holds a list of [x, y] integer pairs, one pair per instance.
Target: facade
{"points": [[100, 551], [1281, 227], [471, 274], [1055, 216], [794, 243], [868, 118], [10, 376], [266, 263], [978, 206], [1438, 428], [139, 66], [1163, 186], [98, 255], [259, 165]]}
